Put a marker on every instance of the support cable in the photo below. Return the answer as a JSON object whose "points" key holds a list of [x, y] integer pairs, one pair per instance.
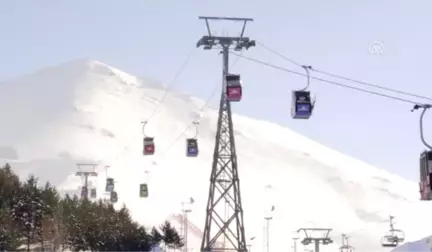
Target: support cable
{"points": [[342, 77], [205, 105], [172, 83], [161, 100], [324, 80]]}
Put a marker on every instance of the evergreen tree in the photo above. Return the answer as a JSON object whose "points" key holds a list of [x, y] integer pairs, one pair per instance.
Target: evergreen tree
{"points": [[170, 236], [31, 215]]}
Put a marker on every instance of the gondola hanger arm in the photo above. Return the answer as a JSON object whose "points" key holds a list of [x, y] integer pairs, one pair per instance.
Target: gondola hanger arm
{"points": [[144, 124], [424, 107], [307, 68], [196, 123]]}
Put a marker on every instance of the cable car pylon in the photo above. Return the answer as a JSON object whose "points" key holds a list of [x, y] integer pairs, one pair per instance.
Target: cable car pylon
{"points": [[225, 158], [425, 185]]}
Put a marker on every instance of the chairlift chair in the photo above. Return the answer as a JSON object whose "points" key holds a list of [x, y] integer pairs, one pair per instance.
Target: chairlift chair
{"points": [[399, 234], [389, 241], [233, 87]]}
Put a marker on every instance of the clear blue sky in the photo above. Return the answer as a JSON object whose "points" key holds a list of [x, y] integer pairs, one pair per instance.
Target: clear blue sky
{"points": [[153, 38]]}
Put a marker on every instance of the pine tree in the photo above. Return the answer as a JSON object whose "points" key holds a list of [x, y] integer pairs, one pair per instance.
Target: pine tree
{"points": [[170, 236], [30, 214]]}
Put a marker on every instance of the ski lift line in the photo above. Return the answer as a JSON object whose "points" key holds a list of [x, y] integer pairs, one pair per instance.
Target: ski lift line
{"points": [[345, 78], [173, 82], [169, 88], [325, 80], [202, 108]]}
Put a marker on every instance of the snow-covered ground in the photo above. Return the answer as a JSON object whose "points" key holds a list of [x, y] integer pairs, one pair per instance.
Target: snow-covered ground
{"points": [[86, 111]]}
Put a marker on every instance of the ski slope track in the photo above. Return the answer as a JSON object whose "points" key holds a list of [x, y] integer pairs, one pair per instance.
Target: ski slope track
{"points": [[86, 111]]}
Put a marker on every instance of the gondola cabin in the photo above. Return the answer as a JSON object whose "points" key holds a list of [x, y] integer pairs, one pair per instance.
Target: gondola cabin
{"points": [[113, 197], [149, 146], [93, 193], [84, 192], [389, 241], [233, 88], [425, 175], [109, 185], [143, 190], [191, 147], [392, 238], [301, 107], [346, 248]]}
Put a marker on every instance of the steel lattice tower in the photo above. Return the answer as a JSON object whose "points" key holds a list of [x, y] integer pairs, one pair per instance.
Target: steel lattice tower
{"points": [[224, 178]]}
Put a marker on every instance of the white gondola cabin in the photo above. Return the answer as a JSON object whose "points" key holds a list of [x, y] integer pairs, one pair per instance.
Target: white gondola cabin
{"points": [[191, 147], [109, 185], [144, 191], [389, 241], [425, 175], [113, 197], [93, 193], [302, 106], [84, 192], [233, 88], [149, 146]]}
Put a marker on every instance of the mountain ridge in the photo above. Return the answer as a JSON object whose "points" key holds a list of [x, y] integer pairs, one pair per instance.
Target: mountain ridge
{"points": [[96, 114]]}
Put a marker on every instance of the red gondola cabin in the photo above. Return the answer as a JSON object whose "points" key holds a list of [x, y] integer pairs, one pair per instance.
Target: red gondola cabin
{"points": [[425, 175], [149, 146], [233, 88]]}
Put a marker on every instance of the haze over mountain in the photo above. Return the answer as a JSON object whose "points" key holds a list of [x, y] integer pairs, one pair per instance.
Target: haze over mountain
{"points": [[86, 111]]}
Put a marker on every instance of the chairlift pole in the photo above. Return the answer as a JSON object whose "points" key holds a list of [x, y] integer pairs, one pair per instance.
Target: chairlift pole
{"points": [[86, 174], [295, 243], [185, 222]]}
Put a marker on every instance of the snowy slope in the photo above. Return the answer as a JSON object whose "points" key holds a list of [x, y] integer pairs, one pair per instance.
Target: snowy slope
{"points": [[423, 245], [85, 110]]}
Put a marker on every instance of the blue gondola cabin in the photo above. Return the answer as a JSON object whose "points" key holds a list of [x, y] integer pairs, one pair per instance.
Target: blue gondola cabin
{"points": [[233, 88], [302, 106], [143, 191], [109, 186], [149, 146], [113, 197], [192, 147]]}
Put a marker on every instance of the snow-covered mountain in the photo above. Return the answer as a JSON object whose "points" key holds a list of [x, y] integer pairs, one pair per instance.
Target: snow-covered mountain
{"points": [[422, 245], [86, 111]]}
